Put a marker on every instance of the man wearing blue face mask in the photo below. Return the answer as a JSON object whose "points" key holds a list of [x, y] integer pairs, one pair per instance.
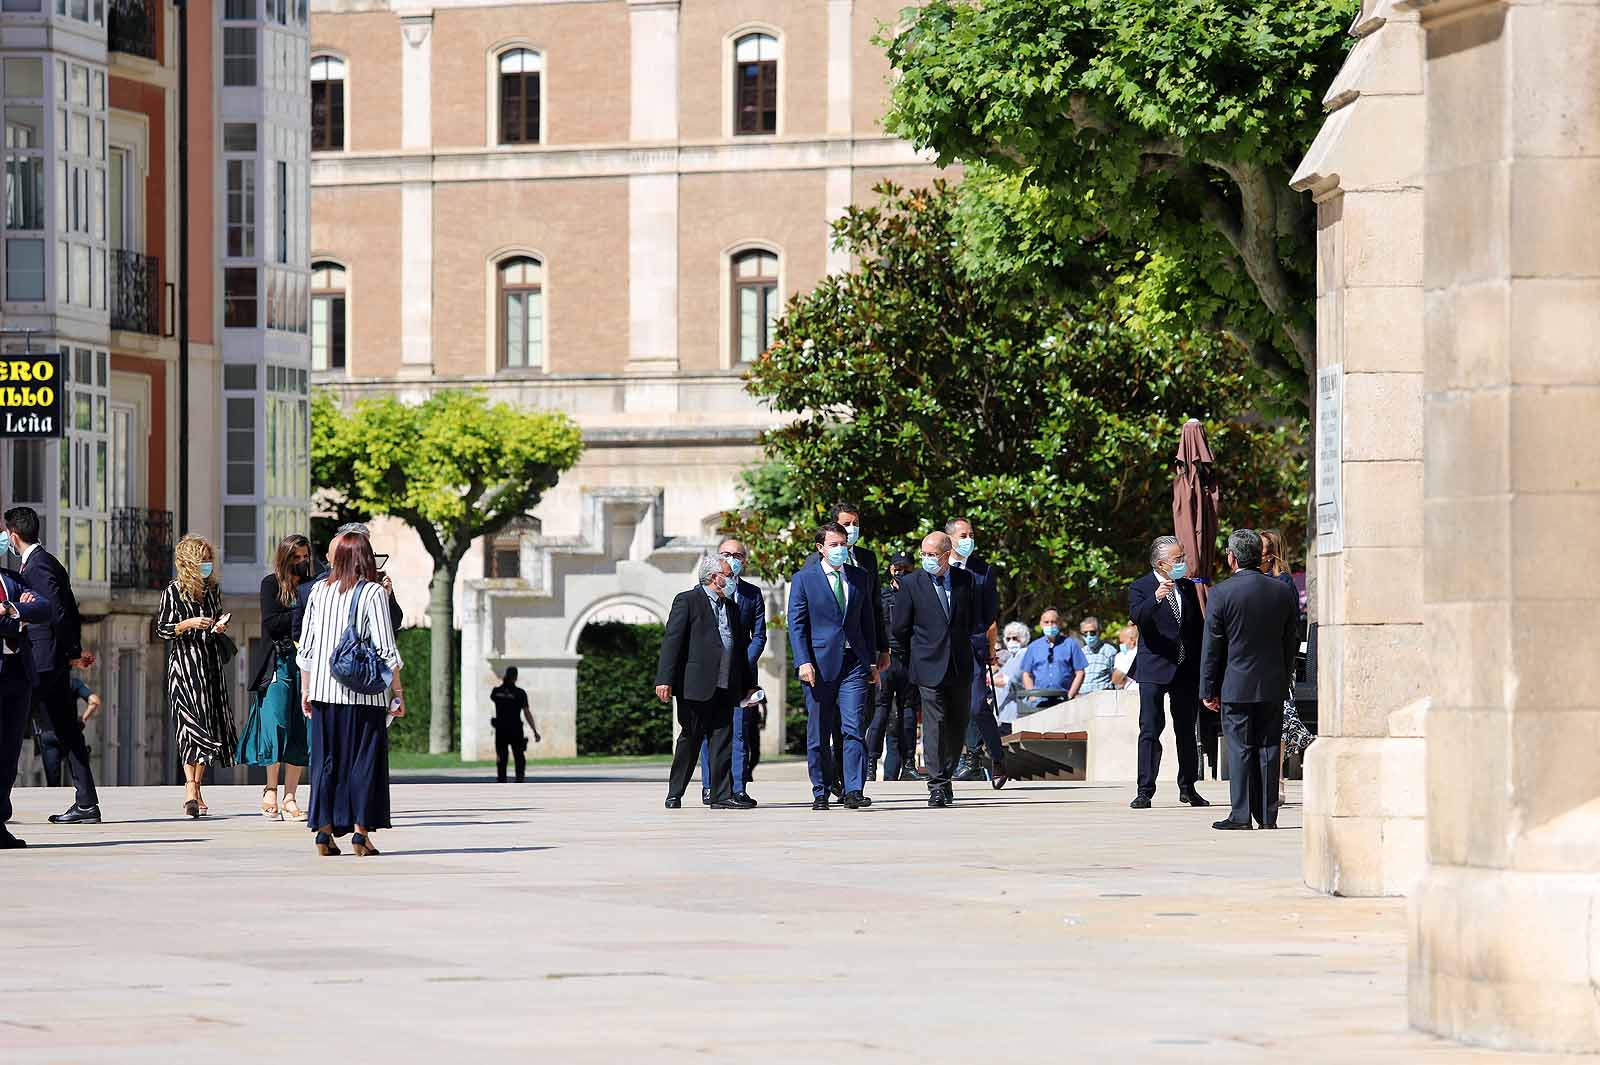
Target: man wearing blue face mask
{"points": [[982, 727], [1171, 622], [1100, 656], [746, 599], [1053, 661], [834, 642]]}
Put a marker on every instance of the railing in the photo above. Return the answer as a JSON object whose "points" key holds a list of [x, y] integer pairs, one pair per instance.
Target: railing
{"points": [[141, 548], [136, 292], [131, 27]]}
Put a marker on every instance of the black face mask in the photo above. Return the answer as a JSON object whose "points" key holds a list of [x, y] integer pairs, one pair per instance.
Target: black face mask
{"points": [[301, 570]]}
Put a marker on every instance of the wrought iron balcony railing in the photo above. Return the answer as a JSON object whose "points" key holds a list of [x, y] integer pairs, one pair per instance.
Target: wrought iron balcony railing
{"points": [[141, 548], [136, 292], [131, 27]]}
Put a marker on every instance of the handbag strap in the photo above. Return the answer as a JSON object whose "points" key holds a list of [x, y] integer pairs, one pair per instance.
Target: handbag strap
{"points": [[355, 603]]}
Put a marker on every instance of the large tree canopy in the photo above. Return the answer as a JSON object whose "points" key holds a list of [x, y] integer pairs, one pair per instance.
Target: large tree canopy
{"points": [[1146, 142], [923, 393], [453, 468]]}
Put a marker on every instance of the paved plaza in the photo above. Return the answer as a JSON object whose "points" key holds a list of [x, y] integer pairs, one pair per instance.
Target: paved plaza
{"points": [[575, 918]]}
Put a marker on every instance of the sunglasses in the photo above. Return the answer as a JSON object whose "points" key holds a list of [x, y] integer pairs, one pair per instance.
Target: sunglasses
{"points": [[382, 560]]}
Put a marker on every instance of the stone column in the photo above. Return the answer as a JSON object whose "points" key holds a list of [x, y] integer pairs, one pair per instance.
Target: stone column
{"points": [[841, 69], [1364, 775], [1505, 945], [653, 205], [416, 197], [774, 672]]}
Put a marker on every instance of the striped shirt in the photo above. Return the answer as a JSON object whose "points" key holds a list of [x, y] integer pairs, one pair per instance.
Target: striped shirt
{"points": [[327, 614]]}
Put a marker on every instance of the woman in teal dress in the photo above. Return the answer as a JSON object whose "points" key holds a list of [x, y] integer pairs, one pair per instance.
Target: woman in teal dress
{"points": [[276, 734]]}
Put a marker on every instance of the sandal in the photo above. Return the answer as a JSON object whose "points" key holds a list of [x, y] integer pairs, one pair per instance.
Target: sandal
{"points": [[291, 809], [191, 808], [363, 846], [200, 807], [325, 844], [269, 805]]}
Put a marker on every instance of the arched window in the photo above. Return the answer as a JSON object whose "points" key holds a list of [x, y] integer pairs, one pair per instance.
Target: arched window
{"points": [[327, 316], [519, 96], [755, 302], [521, 302], [755, 84], [327, 104]]}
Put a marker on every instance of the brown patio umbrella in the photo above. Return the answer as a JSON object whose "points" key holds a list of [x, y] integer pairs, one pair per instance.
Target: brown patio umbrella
{"points": [[1194, 503]]}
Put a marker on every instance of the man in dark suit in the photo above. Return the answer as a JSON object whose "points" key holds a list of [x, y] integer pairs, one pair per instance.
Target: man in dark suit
{"points": [[1166, 608], [892, 735], [834, 642], [55, 646], [18, 604], [982, 727], [933, 613], [1246, 665], [703, 663], [752, 608]]}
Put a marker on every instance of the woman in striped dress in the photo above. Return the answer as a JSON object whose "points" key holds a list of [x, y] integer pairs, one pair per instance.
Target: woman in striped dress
{"points": [[349, 729], [190, 620]]}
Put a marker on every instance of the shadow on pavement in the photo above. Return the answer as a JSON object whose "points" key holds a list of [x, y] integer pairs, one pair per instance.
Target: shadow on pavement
{"points": [[468, 850], [112, 843]]}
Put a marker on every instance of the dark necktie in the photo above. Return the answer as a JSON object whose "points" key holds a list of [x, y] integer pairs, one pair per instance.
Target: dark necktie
{"points": [[1172, 601]]}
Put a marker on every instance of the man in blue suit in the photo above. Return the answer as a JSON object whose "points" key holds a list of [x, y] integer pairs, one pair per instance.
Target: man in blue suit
{"points": [[982, 727], [833, 637], [18, 604], [752, 610]]}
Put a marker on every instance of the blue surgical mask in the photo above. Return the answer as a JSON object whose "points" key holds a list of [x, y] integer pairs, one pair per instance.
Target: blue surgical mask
{"points": [[205, 570], [930, 565], [852, 533], [736, 565], [5, 543], [1052, 631], [965, 546], [838, 555], [1093, 642], [1179, 569]]}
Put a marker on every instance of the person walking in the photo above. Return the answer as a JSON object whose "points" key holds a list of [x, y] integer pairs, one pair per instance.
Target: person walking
{"points": [[1246, 664], [704, 663], [190, 619], [983, 729], [752, 608], [1167, 610], [51, 753], [54, 647], [18, 604], [510, 708], [892, 736], [833, 638], [276, 735], [933, 620], [349, 728]]}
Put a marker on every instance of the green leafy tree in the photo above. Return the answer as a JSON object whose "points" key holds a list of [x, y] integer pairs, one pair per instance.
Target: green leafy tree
{"points": [[454, 468], [1138, 143], [922, 392]]}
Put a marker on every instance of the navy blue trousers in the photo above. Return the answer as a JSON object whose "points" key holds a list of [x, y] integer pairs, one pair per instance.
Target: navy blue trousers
{"points": [[837, 702]]}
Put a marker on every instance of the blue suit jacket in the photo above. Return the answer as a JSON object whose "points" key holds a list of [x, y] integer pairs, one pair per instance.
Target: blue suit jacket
{"points": [[40, 612], [986, 586], [818, 632], [753, 612]]}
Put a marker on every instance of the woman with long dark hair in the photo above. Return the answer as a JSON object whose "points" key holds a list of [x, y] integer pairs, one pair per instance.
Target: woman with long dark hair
{"points": [[191, 620], [276, 735], [349, 728]]}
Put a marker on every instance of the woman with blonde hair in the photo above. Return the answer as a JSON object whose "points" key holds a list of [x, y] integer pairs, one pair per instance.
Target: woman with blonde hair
{"points": [[349, 726], [192, 623], [275, 736]]}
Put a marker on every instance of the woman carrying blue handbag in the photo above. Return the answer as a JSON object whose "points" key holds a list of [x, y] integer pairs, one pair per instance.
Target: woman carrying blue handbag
{"points": [[348, 662]]}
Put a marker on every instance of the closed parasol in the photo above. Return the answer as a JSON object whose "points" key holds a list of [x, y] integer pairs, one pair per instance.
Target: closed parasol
{"points": [[1194, 503]]}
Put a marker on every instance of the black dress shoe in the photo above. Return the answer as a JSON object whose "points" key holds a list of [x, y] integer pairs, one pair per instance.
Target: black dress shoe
{"points": [[1229, 825], [1140, 802], [1193, 798], [937, 800], [674, 803], [77, 815], [741, 799], [872, 769], [856, 801], [1273, 825], [728, 804], [837, 791], [705, 796], [820, 804], [909, 772], [949, 794], [8, 842]]}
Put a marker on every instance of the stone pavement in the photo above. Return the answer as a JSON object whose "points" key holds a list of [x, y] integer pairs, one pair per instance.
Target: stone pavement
{"points": [[582, 922]]}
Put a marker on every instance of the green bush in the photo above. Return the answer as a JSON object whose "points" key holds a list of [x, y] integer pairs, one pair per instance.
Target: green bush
{"points": [[410, 733], [618, 712], [794, 717]]}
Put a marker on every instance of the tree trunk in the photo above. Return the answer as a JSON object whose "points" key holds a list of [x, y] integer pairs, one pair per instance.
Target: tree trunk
{"points": [[441, 604]]}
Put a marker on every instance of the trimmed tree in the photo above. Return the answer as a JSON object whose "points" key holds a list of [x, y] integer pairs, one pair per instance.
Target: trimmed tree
{"points": [[454, 468]]}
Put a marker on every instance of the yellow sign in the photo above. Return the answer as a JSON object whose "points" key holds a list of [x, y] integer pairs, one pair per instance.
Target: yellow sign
{"points": [[30, 395]]}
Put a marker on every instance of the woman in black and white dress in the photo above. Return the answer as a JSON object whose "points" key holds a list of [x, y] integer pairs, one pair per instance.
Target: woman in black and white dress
{"points": [[349, 729], [190, 620]]}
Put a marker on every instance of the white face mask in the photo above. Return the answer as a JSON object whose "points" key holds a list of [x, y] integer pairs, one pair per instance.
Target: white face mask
{"points": [[1015, 645]]}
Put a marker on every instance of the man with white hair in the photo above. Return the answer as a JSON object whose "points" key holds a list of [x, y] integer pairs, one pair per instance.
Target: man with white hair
{"points": [[703, 662]]}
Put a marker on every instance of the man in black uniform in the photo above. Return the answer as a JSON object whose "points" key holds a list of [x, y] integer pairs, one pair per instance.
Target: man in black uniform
{"points": [[893, 732], [510, 707]]}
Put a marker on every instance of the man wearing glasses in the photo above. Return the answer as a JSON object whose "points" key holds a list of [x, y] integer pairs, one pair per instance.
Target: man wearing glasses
{"points": [[747, 600], [1100, 655], [1053, 661]]}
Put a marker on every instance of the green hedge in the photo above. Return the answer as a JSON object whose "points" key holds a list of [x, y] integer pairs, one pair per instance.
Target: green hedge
{"points": [[410, 733], [618, 712]]}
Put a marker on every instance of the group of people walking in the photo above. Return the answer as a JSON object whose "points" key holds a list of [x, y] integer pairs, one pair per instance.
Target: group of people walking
{"points": [[323, 626]]}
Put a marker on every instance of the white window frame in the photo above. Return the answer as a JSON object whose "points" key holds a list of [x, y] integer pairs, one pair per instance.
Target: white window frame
{"points": [[335, 54], [729, 356], [492, 338], [491, 124], [730, 114], [331, 374]]}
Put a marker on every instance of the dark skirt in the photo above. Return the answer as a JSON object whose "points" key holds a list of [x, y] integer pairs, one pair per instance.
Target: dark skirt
{"points": [[349, 767]]}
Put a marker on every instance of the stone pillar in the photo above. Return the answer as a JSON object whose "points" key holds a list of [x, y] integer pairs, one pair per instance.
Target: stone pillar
{"points": [[416, 197], [653, 204], [1505, 947], [841, 68], [1364, 775], [774, 672]]}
